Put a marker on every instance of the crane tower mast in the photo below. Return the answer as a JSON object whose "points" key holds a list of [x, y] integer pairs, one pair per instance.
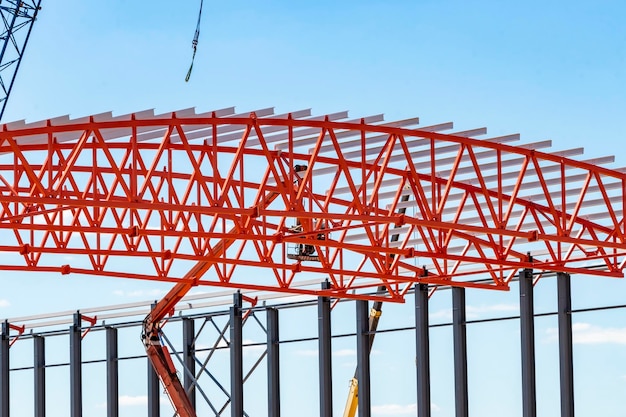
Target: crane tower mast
{"points": [[18, 17]]}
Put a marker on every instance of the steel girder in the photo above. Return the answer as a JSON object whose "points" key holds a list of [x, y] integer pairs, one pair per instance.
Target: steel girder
{"points": [[148, 196]]}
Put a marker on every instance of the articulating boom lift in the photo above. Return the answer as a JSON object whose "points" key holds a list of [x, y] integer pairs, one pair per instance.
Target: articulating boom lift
{"points": [[158, 354]]}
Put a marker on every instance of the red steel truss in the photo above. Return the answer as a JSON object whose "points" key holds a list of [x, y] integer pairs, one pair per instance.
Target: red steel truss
{"points": [[361, 203]]}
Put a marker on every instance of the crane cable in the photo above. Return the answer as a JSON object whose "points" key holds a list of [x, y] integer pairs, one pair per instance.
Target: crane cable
{"points": [[194, 43]]}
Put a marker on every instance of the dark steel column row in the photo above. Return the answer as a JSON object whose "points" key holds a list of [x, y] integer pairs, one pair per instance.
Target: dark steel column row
{"points": [[325, 357]]}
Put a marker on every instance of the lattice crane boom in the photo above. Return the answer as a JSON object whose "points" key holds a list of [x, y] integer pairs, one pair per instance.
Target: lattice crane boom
{"points": [[18, 17]]}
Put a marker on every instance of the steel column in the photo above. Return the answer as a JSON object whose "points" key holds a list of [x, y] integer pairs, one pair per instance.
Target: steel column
{"points": [[113, 407], [39, 368], [189, 359], [236, 357], [566, 354], [76, 383], [273, 364], [527, 332], [4, 370], [154, 389], [422, 350], [325, 354], [363, 358], [460, 352]]}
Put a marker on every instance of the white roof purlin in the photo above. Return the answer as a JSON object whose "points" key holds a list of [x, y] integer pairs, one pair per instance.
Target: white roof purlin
{"points": [[108, 134], [394, 182], [314, 132], [477, 220], [278, 133], [200, 131], [450, 160], [373, 139]]}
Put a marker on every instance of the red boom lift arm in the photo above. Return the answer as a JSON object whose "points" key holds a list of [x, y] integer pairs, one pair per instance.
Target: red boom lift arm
{"points": [[158, 354]]}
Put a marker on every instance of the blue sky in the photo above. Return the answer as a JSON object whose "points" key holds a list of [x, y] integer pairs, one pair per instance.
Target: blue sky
{"points": [[548, 70]]}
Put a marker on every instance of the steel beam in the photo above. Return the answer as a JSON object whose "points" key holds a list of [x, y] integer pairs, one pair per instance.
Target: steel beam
{"points": [[236, 357], [189, 359], [325, 354], [39, 368], [4, 370], [422, 350], [113, 407], [460, 352], [363, 358], [273, 364], [566, 354], [527, 332], [76, 382]]}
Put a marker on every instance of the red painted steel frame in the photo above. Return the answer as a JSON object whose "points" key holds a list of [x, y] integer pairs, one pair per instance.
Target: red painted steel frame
{"points": [[148, 198]]}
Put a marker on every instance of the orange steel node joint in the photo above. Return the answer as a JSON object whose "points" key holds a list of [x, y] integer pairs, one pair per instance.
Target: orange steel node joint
{"points": [[281, 202]]}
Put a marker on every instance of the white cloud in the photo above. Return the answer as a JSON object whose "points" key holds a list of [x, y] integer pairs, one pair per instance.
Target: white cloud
{"points": [[129, 400], [154, 293], [474, 312], [399, 410], [4, 303], [344, 352], [337, 353], [441, 314], [588, 334], [134, 400], [307, 352], [251, 349]]}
